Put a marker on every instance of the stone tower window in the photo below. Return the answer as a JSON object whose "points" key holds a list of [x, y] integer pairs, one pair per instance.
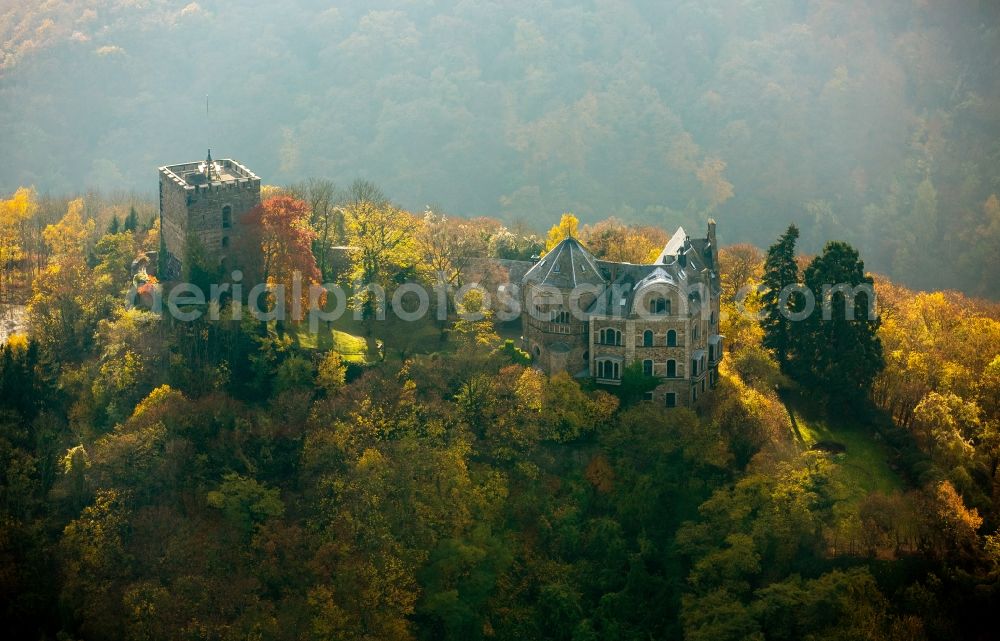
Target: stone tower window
{"points": [[225, 242], [227, 217], [647, 338], [647, 367], [671, 368], [671, 338]]}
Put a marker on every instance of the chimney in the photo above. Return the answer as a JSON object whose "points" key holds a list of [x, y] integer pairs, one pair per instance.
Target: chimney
{"points": [[713, 244]]}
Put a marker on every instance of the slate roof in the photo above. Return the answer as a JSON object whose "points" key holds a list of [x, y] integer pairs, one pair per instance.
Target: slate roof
{"points": [[568, 265]]}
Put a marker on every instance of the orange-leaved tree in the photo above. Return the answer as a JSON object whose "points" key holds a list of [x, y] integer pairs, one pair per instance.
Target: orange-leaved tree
{"points": [[277, 241]]}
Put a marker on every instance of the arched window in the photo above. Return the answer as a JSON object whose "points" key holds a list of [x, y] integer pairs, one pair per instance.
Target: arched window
{"points": [[608, 370], [711, 352], [659, 306], [227, 217], [671, 368], [671, 338], [610, 336], [647, 338], [694, 367], [647, 367]]}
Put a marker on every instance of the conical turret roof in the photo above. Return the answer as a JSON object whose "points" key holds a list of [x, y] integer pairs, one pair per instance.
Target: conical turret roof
{"points": [[568, 265]]}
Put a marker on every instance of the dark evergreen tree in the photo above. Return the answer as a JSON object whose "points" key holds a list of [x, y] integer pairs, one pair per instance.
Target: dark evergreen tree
{"points": [[131, 221], [115, 225], [838, 344], [780, 270]]}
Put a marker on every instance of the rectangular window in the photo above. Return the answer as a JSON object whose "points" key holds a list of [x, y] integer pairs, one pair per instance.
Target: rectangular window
{"points": [[671, 399]]}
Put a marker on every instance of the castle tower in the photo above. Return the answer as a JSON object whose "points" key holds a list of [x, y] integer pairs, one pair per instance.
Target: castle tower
{"points": [[556, 290], [201, 204]]}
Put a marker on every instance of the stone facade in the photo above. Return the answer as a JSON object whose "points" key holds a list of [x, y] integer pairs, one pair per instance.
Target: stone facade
{"points": [[594, 318], [204, 203]]}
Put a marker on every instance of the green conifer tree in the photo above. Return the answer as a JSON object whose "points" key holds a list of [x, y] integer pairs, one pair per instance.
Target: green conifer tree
{"points": [[780, 270], [838, 344], [131, 221]]}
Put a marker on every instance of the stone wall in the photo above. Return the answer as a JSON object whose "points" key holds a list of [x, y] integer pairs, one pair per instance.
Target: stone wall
{"points": [[205, 218]]}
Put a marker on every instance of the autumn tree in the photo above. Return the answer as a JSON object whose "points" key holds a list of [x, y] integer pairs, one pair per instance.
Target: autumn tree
{"points": [[384, 248], [566, 228], [611, 239], [448, 245], [332, 372], [741, 268], [61, 304], [14, 216], [278, 232], [326, 217]]}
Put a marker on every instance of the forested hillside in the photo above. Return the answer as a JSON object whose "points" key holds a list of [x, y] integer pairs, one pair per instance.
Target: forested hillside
{"points": [[240, 479], [873, 122]]}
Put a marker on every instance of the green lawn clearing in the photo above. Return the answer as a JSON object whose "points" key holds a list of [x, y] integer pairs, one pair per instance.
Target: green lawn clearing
{"points": [[863, 466]]}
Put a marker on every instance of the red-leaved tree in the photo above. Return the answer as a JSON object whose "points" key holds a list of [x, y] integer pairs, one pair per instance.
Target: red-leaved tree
{"points": [[278, 240]]}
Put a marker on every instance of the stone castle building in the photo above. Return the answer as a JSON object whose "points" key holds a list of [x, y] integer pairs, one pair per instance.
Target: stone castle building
{"points": [[202, 203], [593, 318]]}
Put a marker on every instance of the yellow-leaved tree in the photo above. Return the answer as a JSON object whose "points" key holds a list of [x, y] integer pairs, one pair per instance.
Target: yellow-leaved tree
{"points": [[14, 215], [566, 228], [62, 295]]}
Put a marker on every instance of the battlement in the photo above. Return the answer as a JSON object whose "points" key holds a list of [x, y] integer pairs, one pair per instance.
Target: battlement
{"points": [[226, 173], [203, 204]]}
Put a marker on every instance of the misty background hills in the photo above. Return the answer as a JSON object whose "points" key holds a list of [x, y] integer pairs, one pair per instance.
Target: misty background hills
{"points": [[873, 122]]}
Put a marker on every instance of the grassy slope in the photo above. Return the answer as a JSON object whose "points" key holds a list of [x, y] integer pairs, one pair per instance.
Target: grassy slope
{"points": [[864, 467], [353, 348]]}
